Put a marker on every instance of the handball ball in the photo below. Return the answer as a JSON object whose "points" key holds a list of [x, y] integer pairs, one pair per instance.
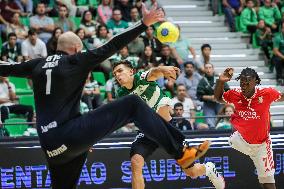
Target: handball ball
{"points": [[167, 33]]}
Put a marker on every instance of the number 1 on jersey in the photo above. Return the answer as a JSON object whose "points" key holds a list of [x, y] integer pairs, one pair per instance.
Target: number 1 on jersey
{"points": [[48, 81]]}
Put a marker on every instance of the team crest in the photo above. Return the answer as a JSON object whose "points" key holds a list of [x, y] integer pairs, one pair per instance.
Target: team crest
{"points": [[260, 99]]}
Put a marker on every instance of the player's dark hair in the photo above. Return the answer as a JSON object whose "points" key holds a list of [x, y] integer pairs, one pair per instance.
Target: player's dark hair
{"points": [[188, 62], [165, 46], [250, 72], [178, 104], [124, 62], [204, 46], [12, 35], [31, 32]]}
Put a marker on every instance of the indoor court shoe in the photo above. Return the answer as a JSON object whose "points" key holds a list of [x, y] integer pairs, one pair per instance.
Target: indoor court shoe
{"points": [[193, 153], [215, 178]]}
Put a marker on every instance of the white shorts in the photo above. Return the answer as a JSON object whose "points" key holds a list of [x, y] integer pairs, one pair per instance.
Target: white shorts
{"points": [[261, 155]]}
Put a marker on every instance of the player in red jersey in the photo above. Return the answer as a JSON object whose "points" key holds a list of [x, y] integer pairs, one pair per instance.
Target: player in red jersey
{"points": [[251, 120]]}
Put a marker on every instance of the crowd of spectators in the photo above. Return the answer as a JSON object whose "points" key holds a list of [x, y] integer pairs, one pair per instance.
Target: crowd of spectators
{"points": [[263, 20], [30, 29]]}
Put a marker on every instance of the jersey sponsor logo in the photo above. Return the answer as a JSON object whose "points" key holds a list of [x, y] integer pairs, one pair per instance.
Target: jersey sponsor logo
{"points": [[247, 115], [140, 135], [51, 125], [52, 61], [57, 151]]}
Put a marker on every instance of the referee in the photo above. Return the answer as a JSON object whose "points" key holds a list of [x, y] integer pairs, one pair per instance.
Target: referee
{"points": [[65, 135]]}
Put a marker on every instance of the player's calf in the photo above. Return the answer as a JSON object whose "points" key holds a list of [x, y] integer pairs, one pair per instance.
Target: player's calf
{"points": [[137, 163]]}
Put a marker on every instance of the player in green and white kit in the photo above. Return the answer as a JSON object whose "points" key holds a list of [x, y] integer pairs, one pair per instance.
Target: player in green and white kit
{"points": [[144, 85]]}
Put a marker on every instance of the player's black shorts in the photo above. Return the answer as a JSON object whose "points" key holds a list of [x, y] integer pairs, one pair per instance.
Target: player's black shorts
{"points": [[143, 146]]}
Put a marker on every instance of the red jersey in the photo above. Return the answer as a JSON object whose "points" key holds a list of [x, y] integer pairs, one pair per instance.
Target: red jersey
{"points": [[252, 117]]}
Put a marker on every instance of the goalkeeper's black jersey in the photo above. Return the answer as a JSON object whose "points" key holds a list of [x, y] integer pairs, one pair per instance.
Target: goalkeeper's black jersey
{"points": [[58, 80]]}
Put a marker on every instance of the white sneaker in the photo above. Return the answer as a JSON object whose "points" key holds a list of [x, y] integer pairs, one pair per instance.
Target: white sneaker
{"points": [[215, 178]]}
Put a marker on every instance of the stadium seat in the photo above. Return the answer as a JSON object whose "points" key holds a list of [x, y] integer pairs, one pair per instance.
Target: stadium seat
{"points": [[55, 19], [99, 77], [76, 21], [15, 130], [199, 120], [25, 21], [94, 3], [27, 100], [22, 86], [82, 2]]}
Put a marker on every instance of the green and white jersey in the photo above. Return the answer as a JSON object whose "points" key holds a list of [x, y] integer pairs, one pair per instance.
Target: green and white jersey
{"points": [[149, 91]]}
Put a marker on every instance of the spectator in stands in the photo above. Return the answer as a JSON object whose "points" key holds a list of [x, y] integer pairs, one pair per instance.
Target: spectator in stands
{"points": [[81, 34], [102, 36], [264, 39], [167, 60], [278, 58], [42, 24], [11, 51], [205, 58], [18, 28], [136, 47], [224, 123], [231, 9], [248, 19], [3, 24], [134, 16], [270, 14], [25, 6], [183, 49], [8, 8], [63, 22], [51, 45], [138, 5], [190, 79], [257, 4], [91, 93], [110, 90], [150, 40], [33, 47], [104, 12], [124, 55], [188, 106], [205, 92], [88, 24], [7, 102], [71, 6], [125, 7], [115, 24], [179, 120], [147, 59]]}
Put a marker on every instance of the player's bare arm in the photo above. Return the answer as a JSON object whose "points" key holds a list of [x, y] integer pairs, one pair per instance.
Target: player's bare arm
{"points": [[169, 72], [219, 88], [282, 97]]}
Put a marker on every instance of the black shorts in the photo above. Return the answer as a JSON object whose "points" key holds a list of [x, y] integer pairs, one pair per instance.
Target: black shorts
{"points": [[143, 146]]}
